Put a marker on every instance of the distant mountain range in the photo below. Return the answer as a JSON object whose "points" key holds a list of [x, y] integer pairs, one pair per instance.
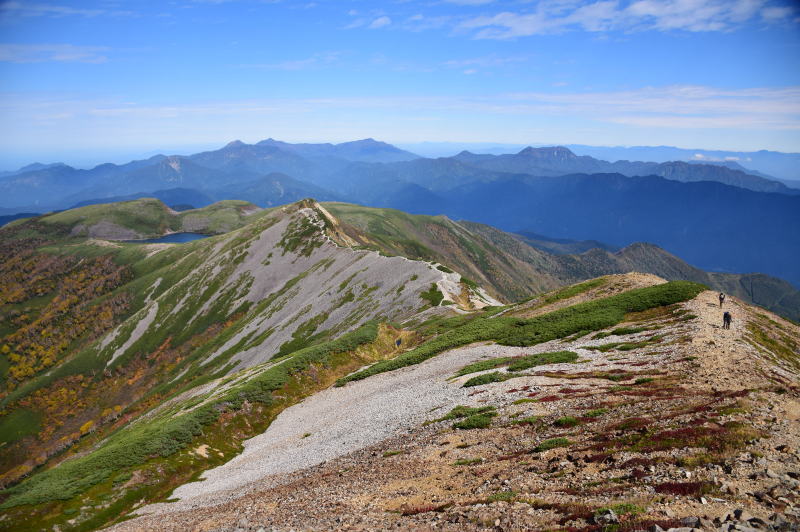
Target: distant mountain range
{"points": [[718, 217], [771, 164], [558, 161]]}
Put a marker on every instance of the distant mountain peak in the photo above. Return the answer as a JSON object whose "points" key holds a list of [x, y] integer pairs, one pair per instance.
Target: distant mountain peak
{"points": [[269, 142], [364, 142], [235, 144], [549, 152], [40, 166]]}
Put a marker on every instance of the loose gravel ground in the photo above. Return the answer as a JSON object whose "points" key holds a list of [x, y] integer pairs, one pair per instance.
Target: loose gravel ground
{"points": [[339, 421]]}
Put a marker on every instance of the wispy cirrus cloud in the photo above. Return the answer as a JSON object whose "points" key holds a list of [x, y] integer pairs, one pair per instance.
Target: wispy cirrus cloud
{"points": [[746, 119], [473, 65], [316, 60], [373, 20], [32, 9], [558, 16], [41, 53], [469, 2], [420, 22], [485, 61], [380, 22], [680, 106]]}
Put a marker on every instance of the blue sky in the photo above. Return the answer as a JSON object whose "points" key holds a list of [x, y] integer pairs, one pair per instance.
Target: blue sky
{"points": [[102, 80]]}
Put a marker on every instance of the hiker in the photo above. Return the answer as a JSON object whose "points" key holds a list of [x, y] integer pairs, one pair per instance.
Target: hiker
{"points": [[398, 342], [721, 299], [726, 320]]}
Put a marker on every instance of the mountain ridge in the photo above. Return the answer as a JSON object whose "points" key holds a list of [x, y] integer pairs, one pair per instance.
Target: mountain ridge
{"points": [[170, 355]]}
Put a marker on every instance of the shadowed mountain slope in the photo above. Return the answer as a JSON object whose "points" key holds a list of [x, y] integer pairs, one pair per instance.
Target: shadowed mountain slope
{"points": [[715, 226]]}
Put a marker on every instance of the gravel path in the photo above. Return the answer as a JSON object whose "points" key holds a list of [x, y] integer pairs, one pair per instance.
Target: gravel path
{"points": [[340, 420]]}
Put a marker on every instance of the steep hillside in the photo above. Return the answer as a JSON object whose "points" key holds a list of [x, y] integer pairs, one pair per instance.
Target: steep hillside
{"points": [[97, 334], [662, 419], [561, 246], [512, 270], [439, 239], [148, 217], [738, 222], [769, 292]]}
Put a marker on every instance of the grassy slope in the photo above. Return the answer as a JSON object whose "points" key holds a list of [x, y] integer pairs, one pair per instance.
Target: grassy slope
{"points": [[772, 293], [199, 310], [439, 239], [97, 486], [150, 217], [583, 317]]}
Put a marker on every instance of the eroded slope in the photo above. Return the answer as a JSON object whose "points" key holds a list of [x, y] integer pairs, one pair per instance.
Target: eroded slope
{"points": [[200, 322], [665, 418]]}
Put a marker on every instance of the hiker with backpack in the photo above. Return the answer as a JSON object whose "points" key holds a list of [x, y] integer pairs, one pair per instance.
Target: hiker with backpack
{"points": [[721, 299], [726, 320]]}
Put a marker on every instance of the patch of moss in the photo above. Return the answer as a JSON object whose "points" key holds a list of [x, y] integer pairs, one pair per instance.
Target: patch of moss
{"points": [[433, 295], [552, 443]]}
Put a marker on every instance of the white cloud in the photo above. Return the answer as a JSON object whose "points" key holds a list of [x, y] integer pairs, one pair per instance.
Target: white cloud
{"points": [[53, 10], [775, 14], [316, 60], [556, 16], [473, 65], [469, 2], [682, 106], [421, 22], [357, 23], [40, 53], [380, 22], [673, 106]]}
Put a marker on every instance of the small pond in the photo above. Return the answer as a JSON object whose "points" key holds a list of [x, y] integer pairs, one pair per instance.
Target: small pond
{"points": [[173, 238]]}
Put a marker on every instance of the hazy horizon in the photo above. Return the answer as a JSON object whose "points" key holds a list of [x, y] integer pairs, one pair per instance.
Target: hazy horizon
{"points": [[104, 81], [90, 158]]}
